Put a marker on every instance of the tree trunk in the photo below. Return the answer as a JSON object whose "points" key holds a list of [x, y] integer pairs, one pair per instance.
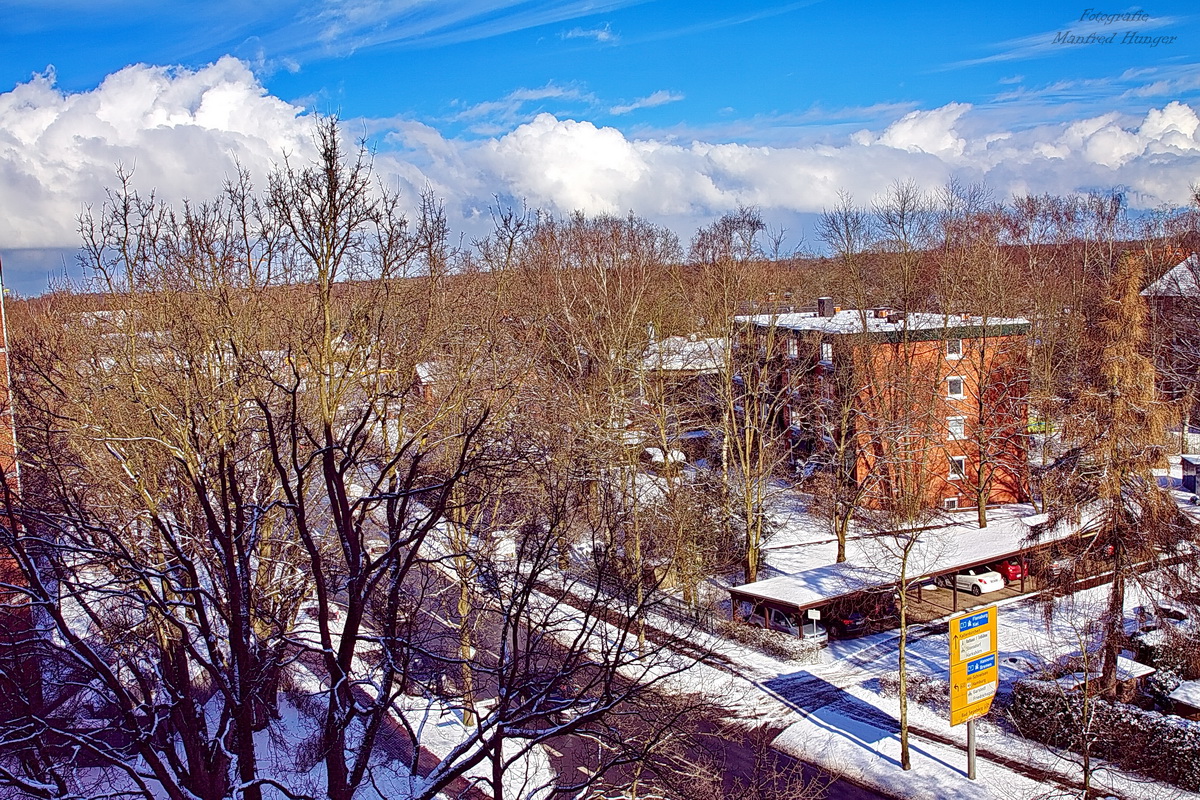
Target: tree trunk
{"points": [[465, 653], [1113, 626], [841, 530], [498, 766], [905, 758]]}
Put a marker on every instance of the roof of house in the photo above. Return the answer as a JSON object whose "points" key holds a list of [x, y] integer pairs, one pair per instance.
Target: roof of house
{"points": [[686, 354], [1127, 670], [1182, 280], [1187, 693], [915, 325]]}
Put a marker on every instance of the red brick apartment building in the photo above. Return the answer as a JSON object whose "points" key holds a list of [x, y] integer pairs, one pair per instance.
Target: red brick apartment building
{"points": [[922, 409]]}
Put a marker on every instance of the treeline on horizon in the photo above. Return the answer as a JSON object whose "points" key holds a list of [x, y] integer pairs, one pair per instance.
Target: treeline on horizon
{"points": [[906, 249]]}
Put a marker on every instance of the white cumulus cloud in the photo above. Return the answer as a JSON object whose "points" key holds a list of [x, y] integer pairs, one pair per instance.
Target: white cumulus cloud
{"points": [[180, 131]]}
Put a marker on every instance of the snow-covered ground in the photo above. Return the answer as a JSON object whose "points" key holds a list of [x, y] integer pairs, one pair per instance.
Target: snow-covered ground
{"points": [[836, 714]]}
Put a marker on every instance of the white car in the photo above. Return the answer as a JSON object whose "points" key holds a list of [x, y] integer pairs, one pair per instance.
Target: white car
{"points": [[812, 631], [976, 580]]}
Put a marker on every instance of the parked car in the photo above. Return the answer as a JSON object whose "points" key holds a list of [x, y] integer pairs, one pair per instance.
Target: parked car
{"points": [[811, 631], [1010, 569], [976, 580], [1149, 618], [847, 624]]}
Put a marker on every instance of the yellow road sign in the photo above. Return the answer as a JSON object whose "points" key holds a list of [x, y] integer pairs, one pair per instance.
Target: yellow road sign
{"points": [[972, 635], [974, 711], [969, 680], [974, 671]]}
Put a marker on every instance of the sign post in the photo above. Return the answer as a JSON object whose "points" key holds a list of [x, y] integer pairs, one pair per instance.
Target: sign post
{"points": [[971, 749], [974, 672]]}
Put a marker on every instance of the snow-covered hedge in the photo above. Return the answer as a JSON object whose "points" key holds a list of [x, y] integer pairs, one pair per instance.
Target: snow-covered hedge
{"points": [[924, 689], [773, 643], [1162, 746]]}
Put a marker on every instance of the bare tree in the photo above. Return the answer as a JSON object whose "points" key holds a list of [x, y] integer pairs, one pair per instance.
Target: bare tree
{"points": [[751, 392], [1116, 426], [975, 276], [238, 503]]}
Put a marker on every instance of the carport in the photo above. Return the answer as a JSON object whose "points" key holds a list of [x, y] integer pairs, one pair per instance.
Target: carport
{"points": [[796, 594], [942, 551]]}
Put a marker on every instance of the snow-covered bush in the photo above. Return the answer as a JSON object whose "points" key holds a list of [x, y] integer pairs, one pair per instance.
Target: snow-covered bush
{"points": [[1170, 649], [773, 643], [1161, 684], [1161, 746], [923, 689]]}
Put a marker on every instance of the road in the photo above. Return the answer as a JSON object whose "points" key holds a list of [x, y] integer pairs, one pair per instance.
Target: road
{"points": [[740, 758], [742, 761]]}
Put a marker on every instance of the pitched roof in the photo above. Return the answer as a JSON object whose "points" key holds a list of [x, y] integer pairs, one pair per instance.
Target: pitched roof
{"points": [[686, 354], [1181, 280]]}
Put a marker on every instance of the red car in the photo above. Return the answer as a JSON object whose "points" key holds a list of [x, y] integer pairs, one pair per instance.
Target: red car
{"points": [[1010, 569]]}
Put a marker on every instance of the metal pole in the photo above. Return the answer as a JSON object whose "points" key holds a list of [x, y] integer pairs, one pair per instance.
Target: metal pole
{"points": [[971, 749]]}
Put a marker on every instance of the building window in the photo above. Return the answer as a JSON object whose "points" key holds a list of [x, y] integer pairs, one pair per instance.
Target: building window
{"points": [[827, 352], [957, 427], [953, 348], [958, 468], [954, 388], [950, 503], [793, 347]]}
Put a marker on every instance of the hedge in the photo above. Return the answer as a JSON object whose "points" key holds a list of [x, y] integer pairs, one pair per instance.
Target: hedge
{"points": [[1161, 746]]}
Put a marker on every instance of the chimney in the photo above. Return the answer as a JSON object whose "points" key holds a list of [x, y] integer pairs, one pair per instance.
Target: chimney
{"points": [[825, 307], [894, 316], [880, 313]]}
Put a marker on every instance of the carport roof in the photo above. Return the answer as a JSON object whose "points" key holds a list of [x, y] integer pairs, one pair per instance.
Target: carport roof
{"points": [[812, 587], [874, 564]]}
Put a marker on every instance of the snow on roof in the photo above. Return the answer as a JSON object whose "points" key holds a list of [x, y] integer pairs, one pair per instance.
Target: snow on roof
{"points": [[1187, 693], [814, 586], [686, 354], [872, 560], [1127, 670], [858, 321], [1181, 280]]}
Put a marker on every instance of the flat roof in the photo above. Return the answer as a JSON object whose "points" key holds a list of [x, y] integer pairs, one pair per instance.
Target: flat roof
{"points": [[917, 325], [1127, 670], [1187, 693]]}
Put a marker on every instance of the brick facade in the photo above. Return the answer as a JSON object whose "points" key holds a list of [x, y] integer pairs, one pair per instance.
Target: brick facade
{"points": [[920, 408]]}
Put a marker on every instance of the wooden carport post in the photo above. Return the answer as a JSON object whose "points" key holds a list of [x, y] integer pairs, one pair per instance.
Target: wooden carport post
{"points": [[954, 592]]}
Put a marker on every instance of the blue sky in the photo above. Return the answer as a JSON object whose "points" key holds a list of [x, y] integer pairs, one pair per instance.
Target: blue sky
{"points": [[677, 111]]}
